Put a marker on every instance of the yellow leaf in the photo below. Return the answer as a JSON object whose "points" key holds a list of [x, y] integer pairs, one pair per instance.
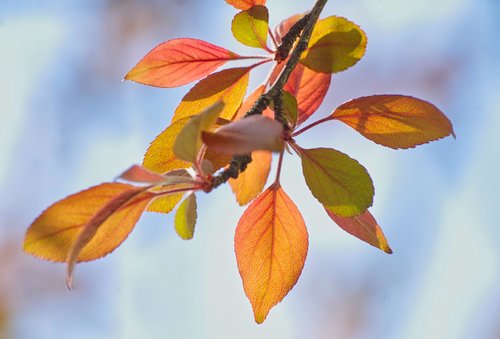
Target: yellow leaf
{"points": [[339, 182], [271, 244], [165, 204], [188, 142], [335, 45], [250, 27], [251, 182], [228, 86], [185, 218]]}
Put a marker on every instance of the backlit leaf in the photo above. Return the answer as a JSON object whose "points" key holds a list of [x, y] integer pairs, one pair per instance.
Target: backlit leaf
{"points": [[248, 103], [251, 182], [335, 45], [339, 182], [245, 4], [140, 174], [395, 121], [178, 62], [109, 212], [308, 87], [290, 107], [165, 204], [363, 227], [246, 135], [160, 157], [271, 244], [185, 218], [250, 27], [188, 142], [228, 86]]}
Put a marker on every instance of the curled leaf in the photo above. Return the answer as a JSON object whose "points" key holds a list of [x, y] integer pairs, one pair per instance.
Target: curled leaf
{"points": [[395, 121], [188, 143], [271, 245], [339, 182], [363, 227], [250, 27], [178, 62], [185, 218], [228, 86], [246, 135], [335, 45], [284, 26]]}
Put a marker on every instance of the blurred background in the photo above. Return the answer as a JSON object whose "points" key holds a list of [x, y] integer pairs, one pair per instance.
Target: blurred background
{"points": [[68, 122]]}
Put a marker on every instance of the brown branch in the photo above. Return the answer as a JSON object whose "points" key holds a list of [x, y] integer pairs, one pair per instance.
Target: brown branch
{"points": [[304, 28]]}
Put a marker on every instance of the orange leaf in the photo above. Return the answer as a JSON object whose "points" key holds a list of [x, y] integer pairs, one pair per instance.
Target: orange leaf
{"points": [[271, 244], [246, 135], [307, 86], [248, 103], [245, 4], [101, 217], [178, 62], [395, 121], [251, 182], [228, 86], [363, 227]]}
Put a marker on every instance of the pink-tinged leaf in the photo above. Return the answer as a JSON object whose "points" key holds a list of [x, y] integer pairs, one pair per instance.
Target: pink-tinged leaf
{"points": [[363, 227], [271, 245], [245, 4], [250, 27], [178, 62], [395, 121], [141, 175], [251, 182], [246, 135]]}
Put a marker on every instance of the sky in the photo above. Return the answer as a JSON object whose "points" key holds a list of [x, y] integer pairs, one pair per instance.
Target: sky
{"points": [[68, 121]]}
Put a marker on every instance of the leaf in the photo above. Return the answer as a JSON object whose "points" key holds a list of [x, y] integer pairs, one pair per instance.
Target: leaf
{"points": [[395, 121], [188, 143], [246, 135], [139, 174], [245, 4], [335, 45], [92, 222], [339, 182], [284, 26], [308, 87], [363, 227], [165, 204], [185, 218], [251, 26], [228, 86], [271, 244], [178, 62], [251, 182], [160, 157]]}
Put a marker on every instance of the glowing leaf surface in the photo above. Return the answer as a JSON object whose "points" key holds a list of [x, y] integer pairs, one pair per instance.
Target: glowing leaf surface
{"points": [[185, 218], [250, 27]]}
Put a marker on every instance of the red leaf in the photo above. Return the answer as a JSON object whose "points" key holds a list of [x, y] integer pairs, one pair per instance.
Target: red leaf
{"points": [[178, 62], [284, 26], [363, 227]]}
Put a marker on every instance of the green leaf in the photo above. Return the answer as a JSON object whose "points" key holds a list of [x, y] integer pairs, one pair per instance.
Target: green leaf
{"points": [[188, 143], [335, 45], [339, 182], [185, 218], [250, 27]]}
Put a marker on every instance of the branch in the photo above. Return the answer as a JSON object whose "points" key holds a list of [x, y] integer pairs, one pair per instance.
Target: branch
{"points": [[304, 28]]}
